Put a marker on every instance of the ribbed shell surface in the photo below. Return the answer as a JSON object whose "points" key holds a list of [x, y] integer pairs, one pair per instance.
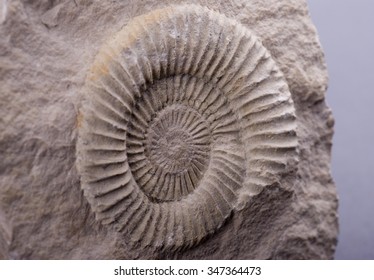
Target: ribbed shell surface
{"points": [[184, 109]]}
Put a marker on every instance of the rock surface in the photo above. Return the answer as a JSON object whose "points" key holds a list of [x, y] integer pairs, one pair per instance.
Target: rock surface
{"points": [[46, 51]]}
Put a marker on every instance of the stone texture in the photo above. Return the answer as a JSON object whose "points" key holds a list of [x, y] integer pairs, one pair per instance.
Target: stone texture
{"points": [[47, 49], [5, 236]]}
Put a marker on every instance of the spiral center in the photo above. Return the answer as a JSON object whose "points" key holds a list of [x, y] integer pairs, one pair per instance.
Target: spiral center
{"points": [[173, 142], [172, 151]]}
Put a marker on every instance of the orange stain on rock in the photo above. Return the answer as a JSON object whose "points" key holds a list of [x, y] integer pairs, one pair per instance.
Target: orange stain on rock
{"points": [[79, 119]]}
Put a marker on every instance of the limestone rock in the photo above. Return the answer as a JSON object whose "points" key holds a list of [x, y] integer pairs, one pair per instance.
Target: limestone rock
{"points": [[5, 236], [164, 129]]}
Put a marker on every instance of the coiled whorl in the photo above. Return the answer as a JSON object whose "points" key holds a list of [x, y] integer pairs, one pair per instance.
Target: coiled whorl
{"points": [[184, 111]]}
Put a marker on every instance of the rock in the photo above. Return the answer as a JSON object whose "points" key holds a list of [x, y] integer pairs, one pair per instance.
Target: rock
{"points": [[58, 189], [5, 237], [50, 18]]}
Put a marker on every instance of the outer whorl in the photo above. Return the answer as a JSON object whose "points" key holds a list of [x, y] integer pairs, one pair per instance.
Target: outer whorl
{"points": [[184, 111]]}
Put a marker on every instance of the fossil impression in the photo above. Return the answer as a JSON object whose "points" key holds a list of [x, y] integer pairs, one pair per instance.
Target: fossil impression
{"points": [[185, 114]]}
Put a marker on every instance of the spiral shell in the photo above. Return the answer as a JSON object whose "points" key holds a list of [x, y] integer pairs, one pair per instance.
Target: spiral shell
{"points": [[184, 110]]}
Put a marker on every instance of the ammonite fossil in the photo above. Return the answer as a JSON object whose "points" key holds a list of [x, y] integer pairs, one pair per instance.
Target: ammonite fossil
{"points": [[184, 111]]}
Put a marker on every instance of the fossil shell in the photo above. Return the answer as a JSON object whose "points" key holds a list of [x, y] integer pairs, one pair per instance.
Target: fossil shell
{"points": [[184, 111]]}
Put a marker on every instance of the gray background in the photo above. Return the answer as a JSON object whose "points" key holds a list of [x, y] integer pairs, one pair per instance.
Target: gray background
{"points": [[346, 30]]}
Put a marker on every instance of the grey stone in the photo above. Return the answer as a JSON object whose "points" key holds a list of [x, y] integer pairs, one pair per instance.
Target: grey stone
{"points": [[55, 57]]}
